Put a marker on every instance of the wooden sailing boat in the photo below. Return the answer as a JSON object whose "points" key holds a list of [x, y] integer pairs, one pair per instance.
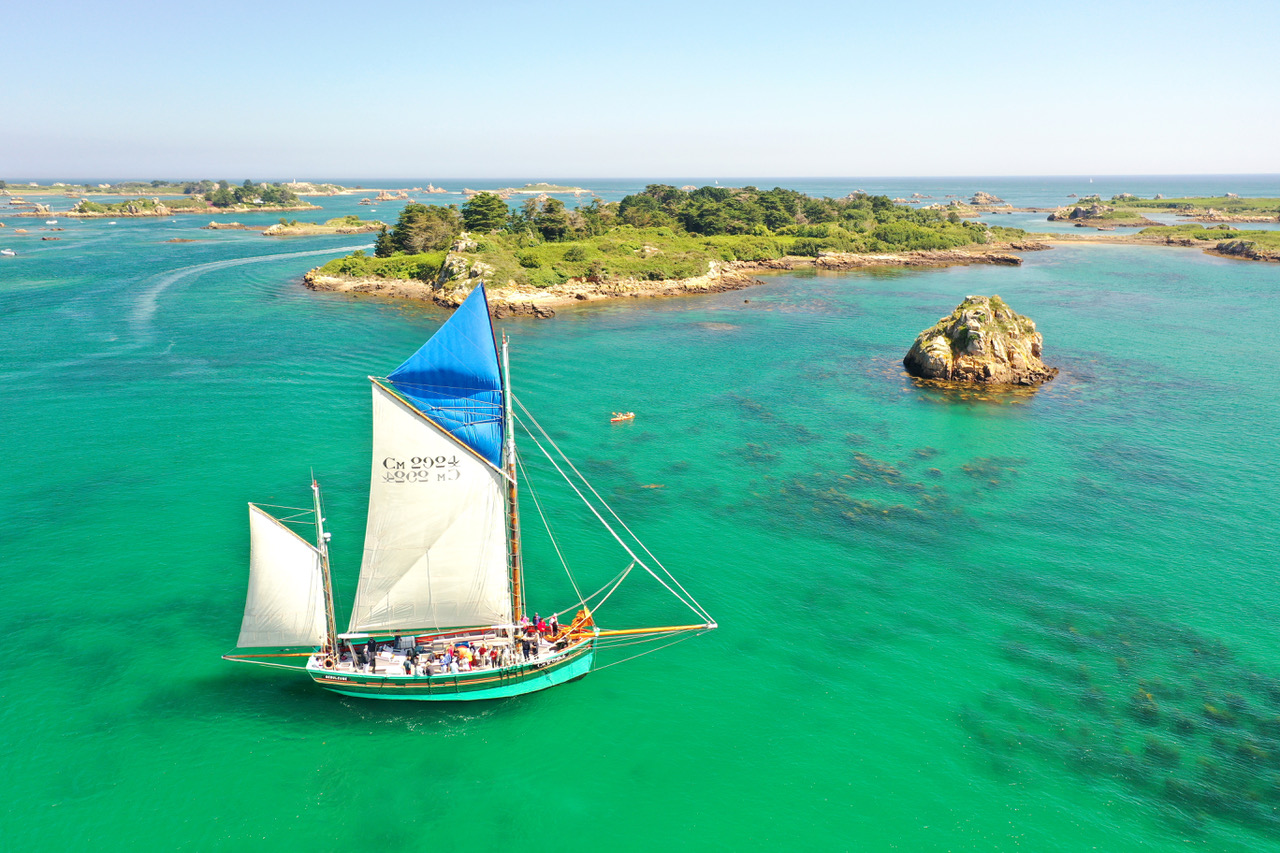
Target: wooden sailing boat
{"points": [[439, 612]]}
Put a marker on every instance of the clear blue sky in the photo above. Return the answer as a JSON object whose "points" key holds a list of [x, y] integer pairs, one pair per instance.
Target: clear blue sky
{"points": [[592, 89]]}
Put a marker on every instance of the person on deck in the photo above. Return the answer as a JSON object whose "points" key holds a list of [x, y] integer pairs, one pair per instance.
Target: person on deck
{"points": [[371, 651]]}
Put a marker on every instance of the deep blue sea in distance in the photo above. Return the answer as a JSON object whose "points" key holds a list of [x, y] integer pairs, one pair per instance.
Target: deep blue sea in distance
{"points": [[948, 621]]}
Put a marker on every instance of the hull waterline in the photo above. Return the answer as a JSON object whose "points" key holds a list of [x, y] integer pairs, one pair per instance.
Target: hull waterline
{"points": [[462, 686]]}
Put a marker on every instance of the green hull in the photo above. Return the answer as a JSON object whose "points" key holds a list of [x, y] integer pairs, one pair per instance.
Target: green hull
{"points": [[463, 686]]}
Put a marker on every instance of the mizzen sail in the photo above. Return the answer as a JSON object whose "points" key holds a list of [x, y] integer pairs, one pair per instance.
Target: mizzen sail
{"points": [[285, 604]]}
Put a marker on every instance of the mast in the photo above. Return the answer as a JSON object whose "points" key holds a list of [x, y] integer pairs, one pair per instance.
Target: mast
{"points": [[322, 545], [515, 558]]}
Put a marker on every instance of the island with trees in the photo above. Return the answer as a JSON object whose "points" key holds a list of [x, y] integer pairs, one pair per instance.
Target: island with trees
{"points": [[349, 224], [219, 198], [661, 241]]}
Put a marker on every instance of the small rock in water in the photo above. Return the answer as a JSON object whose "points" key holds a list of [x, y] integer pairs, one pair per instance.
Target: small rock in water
{"points": [[982, 341]]}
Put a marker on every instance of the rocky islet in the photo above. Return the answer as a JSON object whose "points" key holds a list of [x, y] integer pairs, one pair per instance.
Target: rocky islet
{"points": [[982, 341]]}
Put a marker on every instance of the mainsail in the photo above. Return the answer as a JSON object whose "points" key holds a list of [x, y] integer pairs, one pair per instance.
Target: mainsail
{"points": [[285, 604], [435, 549]]}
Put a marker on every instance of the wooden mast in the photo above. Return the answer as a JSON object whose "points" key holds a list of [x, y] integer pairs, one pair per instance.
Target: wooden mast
{"points": [[515, 558], [322, 545]]}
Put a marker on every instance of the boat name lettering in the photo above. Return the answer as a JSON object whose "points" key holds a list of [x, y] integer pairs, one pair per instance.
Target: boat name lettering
{"points": [[421, 469]]}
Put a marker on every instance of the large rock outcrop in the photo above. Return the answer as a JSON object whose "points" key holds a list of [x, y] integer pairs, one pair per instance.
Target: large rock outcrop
{"points": [[1099, 215], [1248, 249], [982, 341]]}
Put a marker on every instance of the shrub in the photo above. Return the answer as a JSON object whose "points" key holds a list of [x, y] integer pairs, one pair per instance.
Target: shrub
{"points": [[806, 246]]}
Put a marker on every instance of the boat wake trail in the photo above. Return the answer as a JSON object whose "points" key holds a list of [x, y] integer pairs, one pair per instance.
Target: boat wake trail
{"points": [[144, 311], [141, 319]]}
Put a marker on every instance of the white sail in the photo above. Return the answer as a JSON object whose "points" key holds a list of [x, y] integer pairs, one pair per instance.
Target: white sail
{"points": [[435, 546], [285, 604]]}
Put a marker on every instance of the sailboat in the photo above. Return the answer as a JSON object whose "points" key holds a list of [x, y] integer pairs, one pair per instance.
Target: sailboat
{"points": [[440, 611]]}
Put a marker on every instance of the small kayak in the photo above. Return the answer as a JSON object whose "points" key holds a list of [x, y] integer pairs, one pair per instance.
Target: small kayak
{"points": [[623, 416]]}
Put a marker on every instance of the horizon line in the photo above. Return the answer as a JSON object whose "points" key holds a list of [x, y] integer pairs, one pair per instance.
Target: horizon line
{"points": [[526, 178]]}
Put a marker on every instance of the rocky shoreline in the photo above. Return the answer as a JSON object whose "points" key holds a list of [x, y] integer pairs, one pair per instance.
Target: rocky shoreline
{"points": [[1000, 254], [310, 229], [161, 211], [1099, 215], [530, 301], [1245, 249], [1236, 248], [1217, 218], [722, 277]]}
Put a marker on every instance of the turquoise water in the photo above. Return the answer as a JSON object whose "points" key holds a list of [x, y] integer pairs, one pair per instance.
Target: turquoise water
{"points": [[1043, 622]]}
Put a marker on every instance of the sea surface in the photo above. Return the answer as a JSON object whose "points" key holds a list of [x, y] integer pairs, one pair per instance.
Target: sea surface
{"points": [[1047, 621]]}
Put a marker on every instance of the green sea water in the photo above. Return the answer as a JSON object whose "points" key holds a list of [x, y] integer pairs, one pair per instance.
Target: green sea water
{"points": [[947, 622]]}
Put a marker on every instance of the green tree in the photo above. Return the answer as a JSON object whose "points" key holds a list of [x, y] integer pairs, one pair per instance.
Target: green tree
{"points": [[382, 245], [553, 221], [246, 192], [425, 228], [668, 197], [598, 217], [484, 212], [642, 211]]}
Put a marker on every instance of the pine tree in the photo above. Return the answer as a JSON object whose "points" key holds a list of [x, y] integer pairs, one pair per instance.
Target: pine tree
{"points": [[382, 246], [484, 212]]}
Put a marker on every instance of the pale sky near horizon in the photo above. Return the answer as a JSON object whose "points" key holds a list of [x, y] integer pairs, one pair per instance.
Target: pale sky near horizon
{"points": [[278, 90]]}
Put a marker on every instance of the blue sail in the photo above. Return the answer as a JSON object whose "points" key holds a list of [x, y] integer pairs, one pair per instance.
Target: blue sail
{"points": [[454, 378]]}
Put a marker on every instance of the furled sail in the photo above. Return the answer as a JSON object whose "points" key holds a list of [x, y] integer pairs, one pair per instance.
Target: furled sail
{"points": [[285, 604], [435, 550], [454, 378]]}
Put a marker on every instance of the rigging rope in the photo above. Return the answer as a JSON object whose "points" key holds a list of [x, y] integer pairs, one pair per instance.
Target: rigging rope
{"points": [[683, 596], [650, 651], [692, 606], [528, 484], [611, 586]]}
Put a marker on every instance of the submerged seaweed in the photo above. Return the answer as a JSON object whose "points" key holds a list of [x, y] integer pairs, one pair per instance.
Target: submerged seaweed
{"points": [[1150, 703]]}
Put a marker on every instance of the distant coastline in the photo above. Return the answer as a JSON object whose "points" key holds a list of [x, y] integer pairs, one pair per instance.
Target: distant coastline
{"points": [[1253, 246], [162, 211]]}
